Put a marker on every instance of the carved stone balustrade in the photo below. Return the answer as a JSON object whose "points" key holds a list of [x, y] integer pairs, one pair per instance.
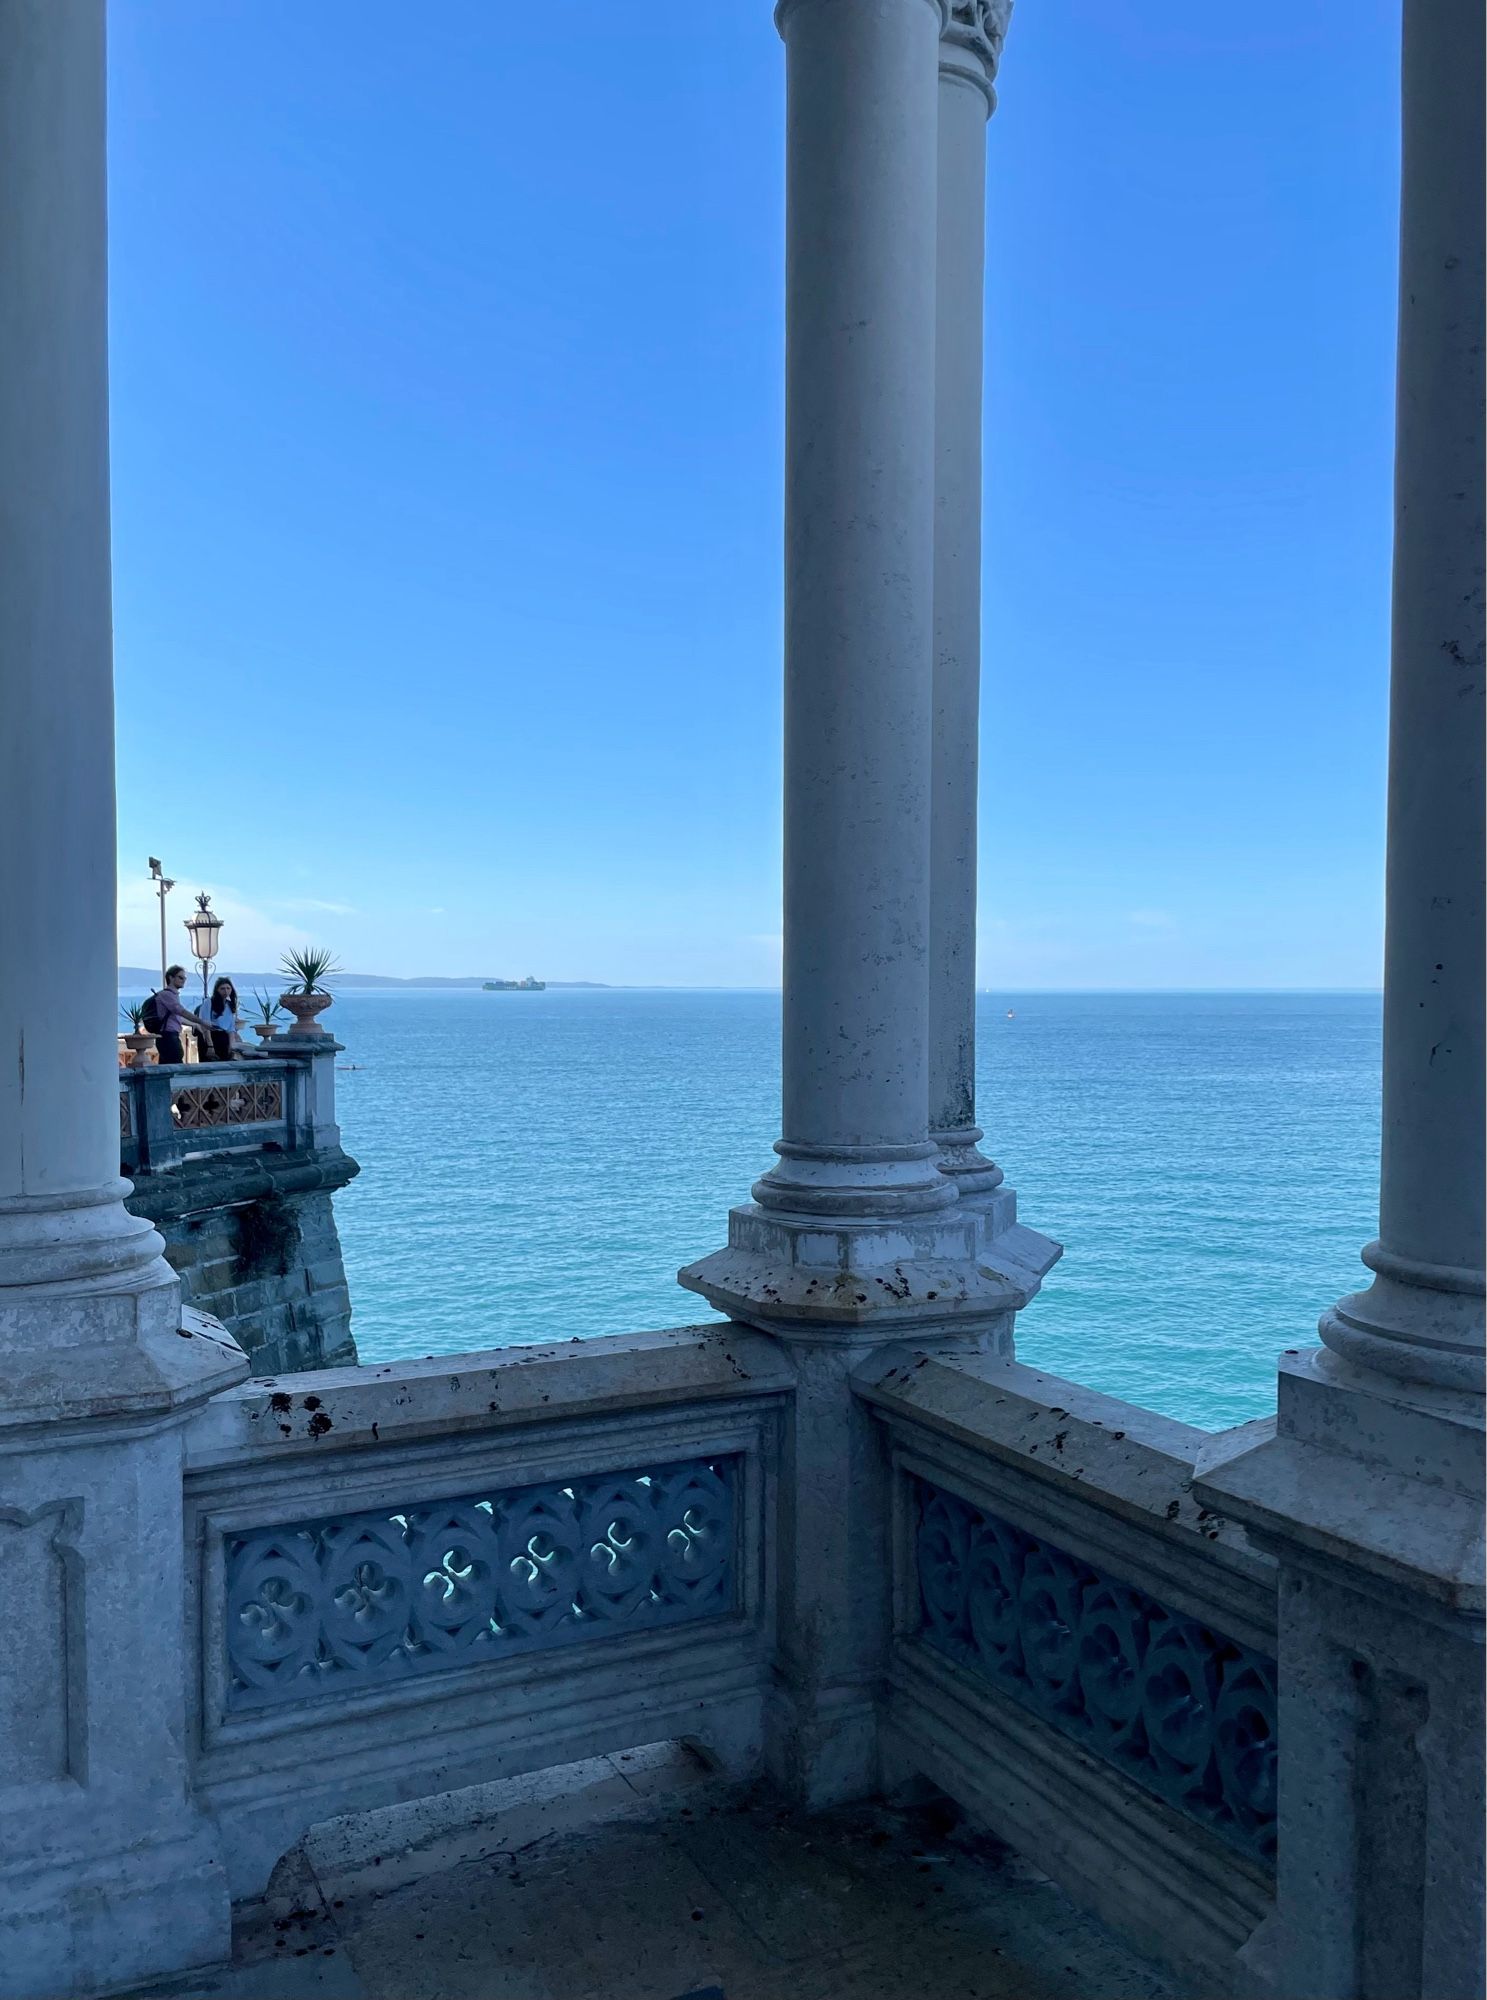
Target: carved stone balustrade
{"points": [[172, 1112], [443, 1572], [1081, 1654], [406, 1579]]}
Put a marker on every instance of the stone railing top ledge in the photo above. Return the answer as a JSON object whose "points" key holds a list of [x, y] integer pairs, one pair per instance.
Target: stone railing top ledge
{"points": [[402, 1401], [1135, 1460], [1406, 1540]]}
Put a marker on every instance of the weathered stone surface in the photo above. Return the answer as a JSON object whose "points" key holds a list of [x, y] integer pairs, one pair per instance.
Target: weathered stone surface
{"points": [[253, 1240], [629, 1887]]}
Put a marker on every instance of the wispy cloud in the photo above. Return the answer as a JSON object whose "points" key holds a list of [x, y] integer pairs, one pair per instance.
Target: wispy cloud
{"points": [[1153, 920], [314, 906], [251, 935]]}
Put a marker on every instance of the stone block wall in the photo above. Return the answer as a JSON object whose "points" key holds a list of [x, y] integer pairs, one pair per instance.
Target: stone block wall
{"points": [[253, 1239]]}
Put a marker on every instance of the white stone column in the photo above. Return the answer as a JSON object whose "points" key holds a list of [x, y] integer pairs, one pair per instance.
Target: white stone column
{"points": [[1421, 1318], [59, 1159], [969, 53], [1368, 1489], [856, 1237], [856, 1223], [859, 559], [106, 1872]]}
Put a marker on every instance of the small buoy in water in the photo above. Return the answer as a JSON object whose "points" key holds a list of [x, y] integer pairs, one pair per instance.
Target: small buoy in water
{"points": [[1010, 1015]]}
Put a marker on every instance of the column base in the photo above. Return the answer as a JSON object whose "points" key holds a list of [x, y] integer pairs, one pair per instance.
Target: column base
{"points": [[948, 1273], [1006, 1239], [72, 1356], [1416, 1324], [962, 1161]]}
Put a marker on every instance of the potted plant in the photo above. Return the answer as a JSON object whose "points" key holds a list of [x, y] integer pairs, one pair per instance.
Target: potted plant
{"points": [[141, 1043], [269, 1015], [307, 997]]}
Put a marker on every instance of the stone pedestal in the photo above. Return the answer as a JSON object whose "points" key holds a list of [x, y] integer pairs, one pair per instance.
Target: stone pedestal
{"points": [[316, 1097]]}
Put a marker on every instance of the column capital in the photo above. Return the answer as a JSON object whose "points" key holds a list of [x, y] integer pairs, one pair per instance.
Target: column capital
{"points": [[971, 43]]}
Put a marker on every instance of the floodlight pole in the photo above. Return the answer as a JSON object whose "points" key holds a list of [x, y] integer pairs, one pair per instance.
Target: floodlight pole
{"points": [[165, 885]]}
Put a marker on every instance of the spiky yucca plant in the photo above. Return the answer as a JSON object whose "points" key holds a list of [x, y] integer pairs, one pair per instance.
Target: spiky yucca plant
{"points": [[309, 968]]}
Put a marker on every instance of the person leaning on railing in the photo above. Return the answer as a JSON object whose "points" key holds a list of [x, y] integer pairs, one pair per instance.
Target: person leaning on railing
{"points": [[165, 1014], [223, 1020]]}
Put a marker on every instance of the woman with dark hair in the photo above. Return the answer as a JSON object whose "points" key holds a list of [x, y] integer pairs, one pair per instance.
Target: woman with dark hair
{"points": [[221, 1016]]}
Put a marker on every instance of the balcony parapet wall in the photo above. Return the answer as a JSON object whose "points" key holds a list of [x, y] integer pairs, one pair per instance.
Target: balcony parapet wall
{"points": [[409, 1579], [235, 1164], [170, 1113], [414, 1577], [1082, 1654]]}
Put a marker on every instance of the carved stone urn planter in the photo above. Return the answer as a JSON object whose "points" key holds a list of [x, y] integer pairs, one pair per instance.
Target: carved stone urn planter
{"points": [[266, 1030], [143, 1050], [304, 1007]]}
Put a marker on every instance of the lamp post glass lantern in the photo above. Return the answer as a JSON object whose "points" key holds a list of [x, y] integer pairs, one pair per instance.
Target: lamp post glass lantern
{"points": [[204, 928]]}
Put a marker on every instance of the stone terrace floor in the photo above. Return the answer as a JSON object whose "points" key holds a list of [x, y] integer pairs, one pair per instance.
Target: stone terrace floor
{"points": [[640, 1878]]}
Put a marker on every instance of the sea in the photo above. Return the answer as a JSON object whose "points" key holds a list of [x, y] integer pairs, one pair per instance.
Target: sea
{"points": [[536, 1166]]}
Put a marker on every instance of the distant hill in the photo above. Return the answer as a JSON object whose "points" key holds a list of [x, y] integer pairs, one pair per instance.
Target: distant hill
{"points": [[141, 978]]}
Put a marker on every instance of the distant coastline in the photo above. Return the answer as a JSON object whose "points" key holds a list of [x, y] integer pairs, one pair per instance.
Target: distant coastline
{"points": [[138, 976], [140, 979]]}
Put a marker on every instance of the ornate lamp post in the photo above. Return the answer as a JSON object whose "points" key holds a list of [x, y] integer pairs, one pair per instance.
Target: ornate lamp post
{"points": [[204, 927]]}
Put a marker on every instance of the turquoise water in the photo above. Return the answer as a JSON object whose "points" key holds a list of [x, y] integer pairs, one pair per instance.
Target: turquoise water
{"points": [[536, 1167]]}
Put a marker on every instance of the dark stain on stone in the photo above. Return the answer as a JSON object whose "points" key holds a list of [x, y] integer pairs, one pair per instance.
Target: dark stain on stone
{"points": [[312, 1402], [281, 1402], [319, 1424]]}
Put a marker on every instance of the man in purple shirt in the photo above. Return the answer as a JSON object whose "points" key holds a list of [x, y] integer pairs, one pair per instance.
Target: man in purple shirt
{"points": [[170, 1014]]}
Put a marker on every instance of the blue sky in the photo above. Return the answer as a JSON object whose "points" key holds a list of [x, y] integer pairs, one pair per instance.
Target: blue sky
{"points": [[447, 438]]}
